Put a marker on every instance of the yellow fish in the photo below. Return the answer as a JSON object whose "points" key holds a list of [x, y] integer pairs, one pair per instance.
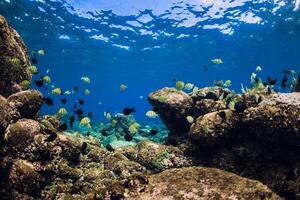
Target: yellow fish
{"points": [[86, 122], [102, 125], [56, 91], [33, 69], [217, 61], [15, 61], [179, 85], [107, 115], [189, 86], [41, 52], [86, 79], [47, 79], [227, 83], [190, 119], [62, 112], [123, 87], [113, 123], [151, 114], [87, 92], [134, 128], [25, 84]]}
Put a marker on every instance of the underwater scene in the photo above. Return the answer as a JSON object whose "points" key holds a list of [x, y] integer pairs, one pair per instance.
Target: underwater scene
{"points": [[152, 99]]}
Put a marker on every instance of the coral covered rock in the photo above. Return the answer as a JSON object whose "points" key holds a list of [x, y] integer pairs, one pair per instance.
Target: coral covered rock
{"points": [[27, 103], [202, 183], [13, 60], [173, 106]]}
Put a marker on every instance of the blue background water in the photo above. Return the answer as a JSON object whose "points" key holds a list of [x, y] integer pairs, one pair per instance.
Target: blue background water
{"points": [[146, 44]]}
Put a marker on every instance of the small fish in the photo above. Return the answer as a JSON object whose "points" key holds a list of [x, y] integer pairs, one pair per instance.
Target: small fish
{"points": [[227, 83], [240, 106], [51, 137], [48, 101], [179, 85], [288, 71], [71, 121], [79, 112], [99, 103], [75, 106], [151, 114], [62, 112], [104, 133], [25, 84], [271, 81], [153, 131], [88, 134], [41, 52], [128, 137], [258, 69], [284, 82], [68, 92], [63, 101], [80, 101], [87, 92], [141, 97], [217, 61], [190, 119], [223, 115], [34, 61], [133, 128], [63, 127], [83, 147], [269, 89], [86, 122], [39, 82], [205, 68], [76, 88], [128, 111], [57, 91], [102, 125], [189, 86], [47, 79], [90, 115], [109, 147], [85, 79], [33, 69], [123, 87], [107, 115]]}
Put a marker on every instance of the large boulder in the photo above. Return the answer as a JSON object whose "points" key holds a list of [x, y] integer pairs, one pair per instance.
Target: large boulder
{"points": [[202, 183], [14, 60]]}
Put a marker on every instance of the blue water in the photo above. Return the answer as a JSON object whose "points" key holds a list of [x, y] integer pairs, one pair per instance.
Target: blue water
{"points": [[147, 44]]}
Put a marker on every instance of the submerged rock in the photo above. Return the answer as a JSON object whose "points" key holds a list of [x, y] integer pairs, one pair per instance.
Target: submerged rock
{"points": [[202, 183], [13, 60]]}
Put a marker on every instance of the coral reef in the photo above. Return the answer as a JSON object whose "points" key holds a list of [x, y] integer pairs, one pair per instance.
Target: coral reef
{"points": [[254, 134], [38, 161], [14, 60]]}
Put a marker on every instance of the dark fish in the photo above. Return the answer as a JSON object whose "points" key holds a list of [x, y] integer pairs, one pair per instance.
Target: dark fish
{"points": [[128, 111], [205, 68], [75, 106], [76, 88], [128, 137], [90, 115], [39, 82], [284, 82], [83, 147], [88, 133], [80, 101], [153, 131], [34, 60], [269, 90], [240, 106], [71, 121], [63, 127], [288, 71], [63, 101], [79, 112], [223, 115], [271, 81], [48, 101], [51, 137], [104, 133], [109, 147]]}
